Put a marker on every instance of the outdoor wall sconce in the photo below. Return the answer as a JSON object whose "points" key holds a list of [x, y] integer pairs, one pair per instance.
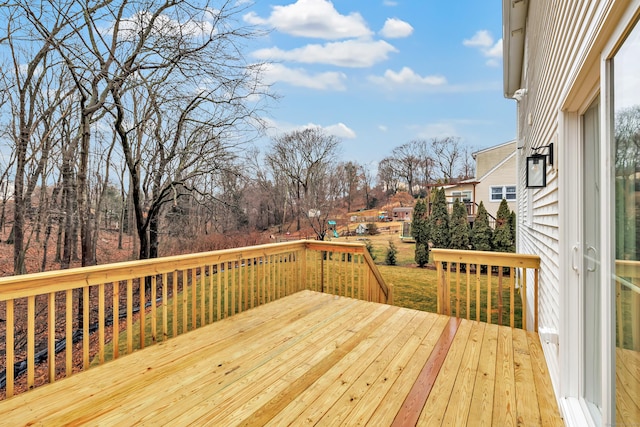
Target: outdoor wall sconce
{"points": [[537, 167]]}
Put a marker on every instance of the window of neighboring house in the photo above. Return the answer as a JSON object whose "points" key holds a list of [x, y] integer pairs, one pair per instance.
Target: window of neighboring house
{"points": [[507, 192], [463, 196]]}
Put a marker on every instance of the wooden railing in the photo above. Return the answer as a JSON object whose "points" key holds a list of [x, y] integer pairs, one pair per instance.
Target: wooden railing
{"points": [[48, 320], [487, 286]]}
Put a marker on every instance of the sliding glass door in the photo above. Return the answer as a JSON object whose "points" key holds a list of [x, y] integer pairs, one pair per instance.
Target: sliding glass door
{"points": [[626, 121]]}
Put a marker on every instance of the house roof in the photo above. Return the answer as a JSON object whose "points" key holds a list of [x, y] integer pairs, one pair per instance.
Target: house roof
{"points": [[484, 150]]}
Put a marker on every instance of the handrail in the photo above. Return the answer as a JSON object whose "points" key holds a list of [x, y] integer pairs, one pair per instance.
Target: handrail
{"points": [[518, 266], [180, 293]]}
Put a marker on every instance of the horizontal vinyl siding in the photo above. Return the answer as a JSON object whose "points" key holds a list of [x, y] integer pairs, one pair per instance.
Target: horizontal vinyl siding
{"points": [[556, 42]]}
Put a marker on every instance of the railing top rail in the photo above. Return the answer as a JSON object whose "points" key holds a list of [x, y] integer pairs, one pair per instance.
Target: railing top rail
{"points": [[344, 246], [53, 281], [504, 259]]}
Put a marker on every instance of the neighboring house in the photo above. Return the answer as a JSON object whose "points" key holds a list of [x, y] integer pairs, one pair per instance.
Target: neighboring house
{"points": [[573, 69], [402, 213], [495, 180], [496, 176]]}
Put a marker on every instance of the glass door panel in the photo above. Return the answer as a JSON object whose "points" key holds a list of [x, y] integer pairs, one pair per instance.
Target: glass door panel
{"points": [[626, 118], [591, 287]]}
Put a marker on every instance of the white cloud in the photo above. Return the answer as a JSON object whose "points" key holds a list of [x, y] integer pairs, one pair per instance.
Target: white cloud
{"points": [[408, 77], [395, 28], [390, 3], [313, 18], [349, 53], [383, 128], [301, 77], [339, 129], [483, 41]]}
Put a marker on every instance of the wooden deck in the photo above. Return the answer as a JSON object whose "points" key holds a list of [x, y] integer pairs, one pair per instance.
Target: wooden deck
{"points": [[307, 359]]}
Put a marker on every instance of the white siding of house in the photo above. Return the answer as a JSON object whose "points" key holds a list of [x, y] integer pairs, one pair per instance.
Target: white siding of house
{"points": [[487, 159], [564, 40], [503, 175]]}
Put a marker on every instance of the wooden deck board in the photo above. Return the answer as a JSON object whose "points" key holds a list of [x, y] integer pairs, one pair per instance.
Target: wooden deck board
{"points": [[481, 409], [458, 408], [435, 408], [308, 358]]}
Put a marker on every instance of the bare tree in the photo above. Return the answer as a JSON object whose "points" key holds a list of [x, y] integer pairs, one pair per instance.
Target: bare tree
{"points": [[447, 153], [388, 176], [367, 184], [303, 157], [29, 67], [350, 180]]}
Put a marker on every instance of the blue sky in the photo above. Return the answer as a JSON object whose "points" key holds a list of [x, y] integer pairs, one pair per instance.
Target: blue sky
{"points": [[379, 73]]}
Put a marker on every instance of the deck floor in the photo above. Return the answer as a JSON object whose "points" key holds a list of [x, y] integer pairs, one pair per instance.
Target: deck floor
{"points": [[309, 359]]}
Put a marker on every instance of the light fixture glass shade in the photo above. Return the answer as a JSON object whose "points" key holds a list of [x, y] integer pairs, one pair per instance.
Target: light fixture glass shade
{"points": [[536, 171]]}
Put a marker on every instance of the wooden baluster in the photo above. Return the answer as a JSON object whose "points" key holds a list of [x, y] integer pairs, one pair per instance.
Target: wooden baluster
{"points": [[524, 299], [232, 273], [203, 296], [500, 295], [468, 274], [251, 277], [512, 287], [115, 317], [86, 321], [51, 346], [458, 289], [478, 298], [489, 305], [154, 309], [184, 275], [219, 291], [194, 300], [241, 294], [129, 316], [211, 299], [31, 333], [10, 348], [165, 308], [174, 297], [142, 284], [101, 322]]}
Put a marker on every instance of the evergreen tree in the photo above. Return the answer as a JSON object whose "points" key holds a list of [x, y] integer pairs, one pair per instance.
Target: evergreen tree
{"points": [[512, 226], [369, 247], [420, 232], [392, 252], [502, 236], [481, 233], [420, 223], [422, 254], [439, 221], [459, 227]]}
